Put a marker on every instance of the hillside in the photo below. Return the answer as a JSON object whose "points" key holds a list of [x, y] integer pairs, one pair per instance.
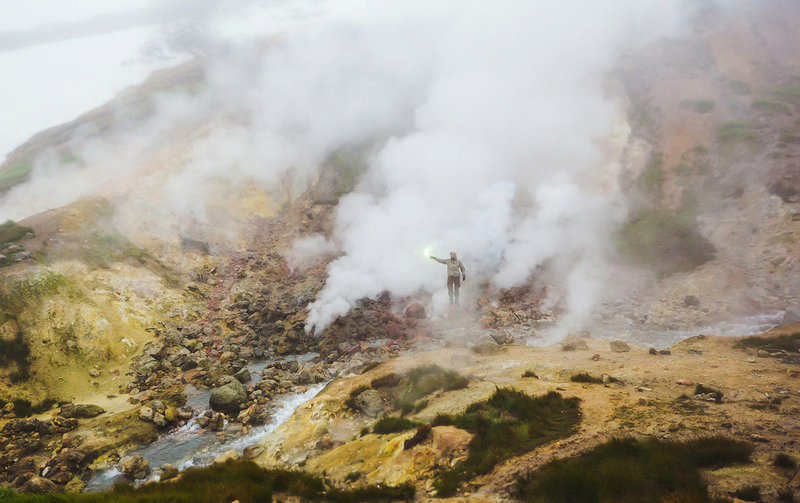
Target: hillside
{"points": [[154, 280]]}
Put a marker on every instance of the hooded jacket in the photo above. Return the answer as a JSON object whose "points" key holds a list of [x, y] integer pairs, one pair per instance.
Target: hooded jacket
{"points": [[455, 267]]}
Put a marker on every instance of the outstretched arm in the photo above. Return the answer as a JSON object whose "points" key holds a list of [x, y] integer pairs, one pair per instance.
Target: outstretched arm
{"points": [[441, 261]]}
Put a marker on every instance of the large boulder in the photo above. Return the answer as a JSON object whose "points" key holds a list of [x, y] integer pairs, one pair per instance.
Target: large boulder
{"points": [[38, 485], [370, 403], [229, 398], [81, 411], [135, 467], [415, 311]]}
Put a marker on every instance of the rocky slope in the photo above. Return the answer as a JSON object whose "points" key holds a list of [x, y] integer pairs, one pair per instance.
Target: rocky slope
{"points": [[121, 307]]}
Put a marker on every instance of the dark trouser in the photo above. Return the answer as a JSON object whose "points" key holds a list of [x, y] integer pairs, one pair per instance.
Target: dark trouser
{"points": [[453, 284]]}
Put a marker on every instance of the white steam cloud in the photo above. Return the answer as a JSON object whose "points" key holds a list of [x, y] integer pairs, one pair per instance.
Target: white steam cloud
{"points": [[492, 114]]}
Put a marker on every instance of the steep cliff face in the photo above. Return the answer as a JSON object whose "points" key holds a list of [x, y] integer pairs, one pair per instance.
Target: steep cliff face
{"points": [[711, 167]]}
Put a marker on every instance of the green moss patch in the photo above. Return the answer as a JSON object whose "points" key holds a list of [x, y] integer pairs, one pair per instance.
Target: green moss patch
{"points": [[508, 424], [627, 470], [669, 241], [781, 342], [389, 424], [242, 481], [18, 173], [10, 232], [417, 384]]}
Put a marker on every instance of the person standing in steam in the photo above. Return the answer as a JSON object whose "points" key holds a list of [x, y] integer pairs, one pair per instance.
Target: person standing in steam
{"points": [[455, 268]]}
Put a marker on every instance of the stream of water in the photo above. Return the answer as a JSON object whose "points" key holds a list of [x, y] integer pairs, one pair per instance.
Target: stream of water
{"points": [[190, 446]]}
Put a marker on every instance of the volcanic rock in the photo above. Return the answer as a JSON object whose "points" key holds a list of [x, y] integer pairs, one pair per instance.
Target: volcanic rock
{"points": [[415, 311], [135, 467], [228, 398]]}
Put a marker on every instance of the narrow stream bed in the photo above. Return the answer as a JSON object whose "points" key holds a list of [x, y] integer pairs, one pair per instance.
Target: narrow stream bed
{"points": [[190, 445]]}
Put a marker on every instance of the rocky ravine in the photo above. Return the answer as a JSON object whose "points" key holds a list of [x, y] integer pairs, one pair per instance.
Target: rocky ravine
{"points": [[121, 308]]}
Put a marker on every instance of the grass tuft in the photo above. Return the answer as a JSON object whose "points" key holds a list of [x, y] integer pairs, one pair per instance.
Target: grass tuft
{"points": [[783, 460], [585, 377], [507, 424], [627, 470], [705, 390], [530, 373], [242, 481], [782, 342], [389, 424], [748, 493], [10, 232]]}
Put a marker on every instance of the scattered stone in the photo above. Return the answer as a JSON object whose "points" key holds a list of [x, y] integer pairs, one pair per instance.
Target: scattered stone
{"points": [[573, 342], [685, 382], [693, 351], [252, 451], [23, 255], [229, 398], [620, 346], [691, 301], [81, 411], [415, 311], [370, 403], [135, 467], [38, 485], [168, 472], [146, 414], [596, 357], [228, 456]]}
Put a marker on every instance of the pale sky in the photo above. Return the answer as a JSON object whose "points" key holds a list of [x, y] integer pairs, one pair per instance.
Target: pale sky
{"points": [[62, 58]]}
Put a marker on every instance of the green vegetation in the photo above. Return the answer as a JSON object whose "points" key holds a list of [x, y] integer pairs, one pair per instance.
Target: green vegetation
{"points": [[785, 494], [771, 107], [763, 406], [705, 390], [352, 477], [780, 342], [789, 93], [10, 232], [507, 424], [652, 177], [783, 460], [18, 173], [739, 87], [670, 241], [789, 138], [242, 481], [734, 131], [350, 401], [17, 293], [417, 384], [530, 373], [68, 158], [640, 111], [585, 377], [736, 141], [626, 470], [100, 250], [699, 106], [389, 424], [419, 406], [343, 169], [369, 366], [24, 407], [15, 352], [748, 493]]}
